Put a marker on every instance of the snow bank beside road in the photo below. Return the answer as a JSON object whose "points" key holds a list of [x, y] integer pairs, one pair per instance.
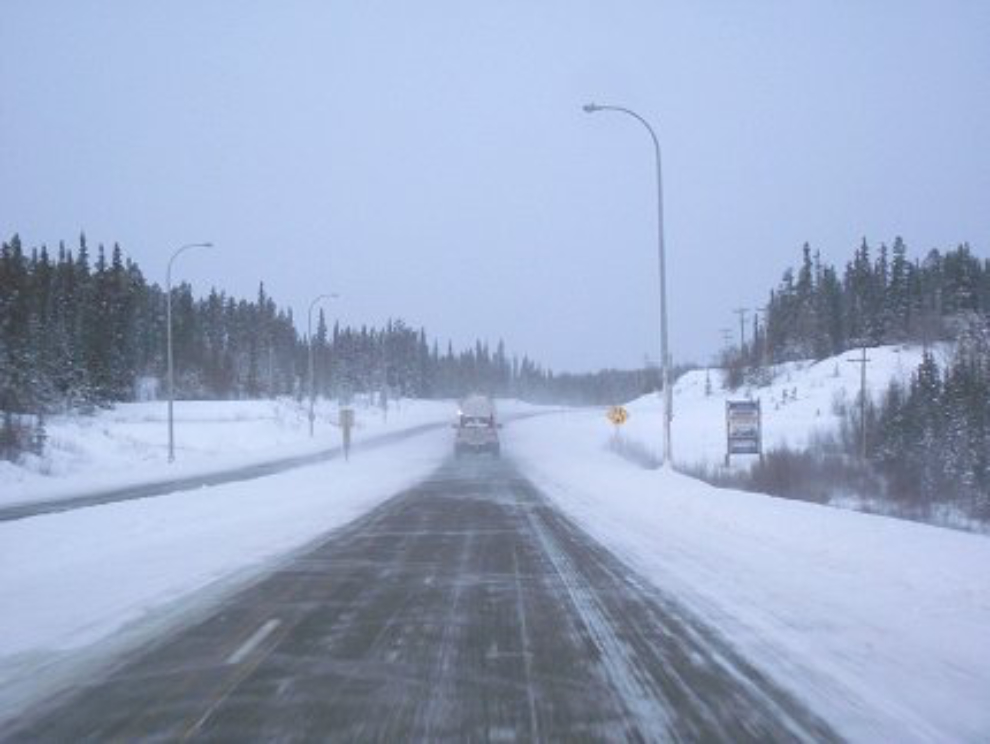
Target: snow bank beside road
{"points": [[72, 579], [882, 626], [127, 445]]}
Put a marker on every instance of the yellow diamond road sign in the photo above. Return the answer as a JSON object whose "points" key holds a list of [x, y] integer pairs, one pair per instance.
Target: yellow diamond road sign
{"points": [[618, 415]]}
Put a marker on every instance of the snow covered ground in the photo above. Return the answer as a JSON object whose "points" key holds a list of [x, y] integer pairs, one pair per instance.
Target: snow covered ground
{"points": [[80, 585], [127, 445], [881, 625], [798, 406]]}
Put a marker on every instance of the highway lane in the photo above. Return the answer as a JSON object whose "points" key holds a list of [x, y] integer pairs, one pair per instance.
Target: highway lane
{"points": [[467, 608]]}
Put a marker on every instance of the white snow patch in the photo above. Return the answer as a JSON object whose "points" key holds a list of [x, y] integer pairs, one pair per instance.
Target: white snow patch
{"points": [[798, 406], [881, 625], [128, 445]]}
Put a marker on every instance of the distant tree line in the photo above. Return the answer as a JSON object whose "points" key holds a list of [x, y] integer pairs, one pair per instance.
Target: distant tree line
{"points": [[81, 329], [880, 297], [930, 439]]}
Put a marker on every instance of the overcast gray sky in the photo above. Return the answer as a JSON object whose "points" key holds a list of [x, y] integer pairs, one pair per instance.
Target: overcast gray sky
{"points": [[430, 160]]}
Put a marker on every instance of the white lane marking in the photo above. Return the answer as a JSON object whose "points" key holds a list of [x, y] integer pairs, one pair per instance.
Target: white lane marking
{"points": [[254, 641], [527, 654]]}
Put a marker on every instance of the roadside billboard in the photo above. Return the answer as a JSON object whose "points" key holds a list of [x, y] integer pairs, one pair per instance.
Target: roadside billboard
{"points": [[743, 432]]}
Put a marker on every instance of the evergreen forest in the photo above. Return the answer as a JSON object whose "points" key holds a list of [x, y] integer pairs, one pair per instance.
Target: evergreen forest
{"points": [[929, 439], [83, 328]]}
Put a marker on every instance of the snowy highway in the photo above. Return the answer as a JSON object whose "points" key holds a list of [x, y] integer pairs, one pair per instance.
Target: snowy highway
{"points": [[495, 372], [467, 607]]}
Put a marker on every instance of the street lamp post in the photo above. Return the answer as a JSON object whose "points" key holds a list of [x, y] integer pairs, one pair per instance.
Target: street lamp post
{"points": [[592, 108], [312, 375], [171, 369]]}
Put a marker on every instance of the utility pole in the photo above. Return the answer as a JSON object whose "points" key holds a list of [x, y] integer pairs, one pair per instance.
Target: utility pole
{"points": [[726, 337], [765, 347], [742, 312], [271, 370], [862, 361]]}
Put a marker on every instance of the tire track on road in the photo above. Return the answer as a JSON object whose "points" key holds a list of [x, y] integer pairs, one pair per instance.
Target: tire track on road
{"points": [[466, 608]]}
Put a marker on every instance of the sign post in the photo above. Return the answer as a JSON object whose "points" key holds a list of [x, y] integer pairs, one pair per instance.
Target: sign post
{"points": [[743, 428], [346, 424], [618, 416]]}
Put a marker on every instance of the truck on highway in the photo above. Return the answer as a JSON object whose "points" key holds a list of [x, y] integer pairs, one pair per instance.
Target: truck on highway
{"points": [[477, 428]]}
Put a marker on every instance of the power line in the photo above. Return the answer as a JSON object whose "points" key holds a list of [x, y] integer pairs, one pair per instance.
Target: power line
{"points": [[726, 336], [742, 312]]}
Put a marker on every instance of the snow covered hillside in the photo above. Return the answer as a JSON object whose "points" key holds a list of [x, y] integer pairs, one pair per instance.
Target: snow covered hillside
{"points": [[878, 624], [797, 406], [127, 444]]}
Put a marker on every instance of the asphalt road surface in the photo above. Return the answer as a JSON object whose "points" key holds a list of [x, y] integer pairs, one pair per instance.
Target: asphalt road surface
{"points": [[465, 609]]}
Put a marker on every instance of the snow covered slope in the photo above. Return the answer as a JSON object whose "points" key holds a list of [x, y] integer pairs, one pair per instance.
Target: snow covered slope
{"points": [[127, 444], [798, 406], [881, 625]]}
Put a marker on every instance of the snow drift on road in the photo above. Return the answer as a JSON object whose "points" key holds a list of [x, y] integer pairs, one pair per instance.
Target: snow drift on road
{"points": [[881, 625]]}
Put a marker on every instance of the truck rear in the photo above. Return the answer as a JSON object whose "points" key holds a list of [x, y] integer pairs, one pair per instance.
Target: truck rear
{"points": [[477, 428]]}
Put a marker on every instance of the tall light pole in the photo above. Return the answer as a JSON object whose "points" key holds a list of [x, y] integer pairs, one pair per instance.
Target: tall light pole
{"points": [[312, 375], [171, 369], [668, 397]]}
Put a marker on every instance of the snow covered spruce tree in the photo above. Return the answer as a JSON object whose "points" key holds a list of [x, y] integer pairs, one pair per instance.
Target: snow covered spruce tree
{"points": [[929, 439], [932, 439], [886, 299]]}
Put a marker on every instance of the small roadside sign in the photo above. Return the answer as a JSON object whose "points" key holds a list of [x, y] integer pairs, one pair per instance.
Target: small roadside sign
{"points": [[618, 415], [743, 428], [346, 424]]}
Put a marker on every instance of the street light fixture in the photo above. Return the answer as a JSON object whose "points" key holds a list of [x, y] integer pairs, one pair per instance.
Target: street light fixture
{"points": [[171, 370], [312, 375], [593, 108]]}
